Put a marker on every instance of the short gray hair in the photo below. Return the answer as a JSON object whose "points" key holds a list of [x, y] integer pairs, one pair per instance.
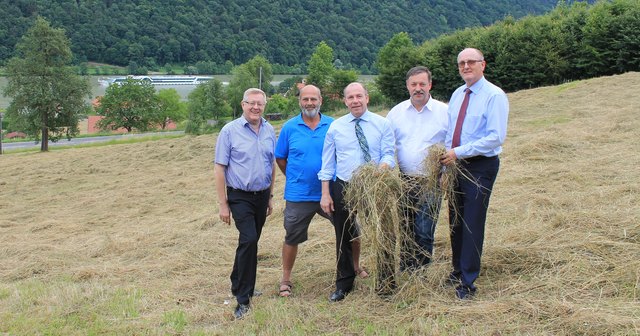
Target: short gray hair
{"points": [[251, 91]]}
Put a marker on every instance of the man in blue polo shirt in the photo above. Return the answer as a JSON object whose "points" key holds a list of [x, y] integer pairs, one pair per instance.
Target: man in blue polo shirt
{"points": [[299, 156]]}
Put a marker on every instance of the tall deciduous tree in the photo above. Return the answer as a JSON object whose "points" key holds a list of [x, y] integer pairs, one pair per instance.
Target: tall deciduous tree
{"points": [[339, 80], [394, 60], [320, 66], [206, 101], [131, 104], [170, 107], [255, 73], [48, 97]]}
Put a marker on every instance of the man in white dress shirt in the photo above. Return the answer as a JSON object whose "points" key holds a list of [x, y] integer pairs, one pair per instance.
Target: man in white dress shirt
{"points": [[418, 123]]}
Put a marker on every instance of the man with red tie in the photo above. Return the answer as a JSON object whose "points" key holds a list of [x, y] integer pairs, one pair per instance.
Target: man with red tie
{"points": [[478, 114]]}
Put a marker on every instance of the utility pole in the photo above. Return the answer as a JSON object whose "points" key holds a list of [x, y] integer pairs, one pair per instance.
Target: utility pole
{"points": [[1, 116], [260, 85]]}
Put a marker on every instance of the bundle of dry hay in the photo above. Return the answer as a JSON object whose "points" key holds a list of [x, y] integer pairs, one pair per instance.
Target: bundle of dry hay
{"points": [[376, 197], [435, 180], [381, 199]]}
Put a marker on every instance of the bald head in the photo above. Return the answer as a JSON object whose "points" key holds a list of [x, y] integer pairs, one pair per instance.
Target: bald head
{"points": [[310, 101], [310, 89], [356, 98], [471, 65]]}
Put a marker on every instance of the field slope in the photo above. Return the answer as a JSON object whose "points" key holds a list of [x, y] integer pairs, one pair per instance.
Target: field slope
{"points": [[124, 239]]}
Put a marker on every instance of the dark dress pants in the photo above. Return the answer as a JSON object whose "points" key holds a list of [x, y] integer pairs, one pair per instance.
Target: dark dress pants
{"points": [[249, 211], [467, 216], [346, 230]]}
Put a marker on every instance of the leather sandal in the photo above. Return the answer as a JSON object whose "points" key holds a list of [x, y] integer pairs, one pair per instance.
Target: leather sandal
{"points": [[286, 289]]}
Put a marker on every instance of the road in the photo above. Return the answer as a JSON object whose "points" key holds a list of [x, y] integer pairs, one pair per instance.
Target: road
{"points": [[78, 141]]}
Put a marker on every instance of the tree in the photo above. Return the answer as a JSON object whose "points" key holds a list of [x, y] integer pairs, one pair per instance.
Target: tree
{"points": [[339, 80], [170, 107], [279, 104], [260, 69], [48, 96], [321, 66], [131, 104], [206, 102], [394, 60], [289, 84], [246, 76]]}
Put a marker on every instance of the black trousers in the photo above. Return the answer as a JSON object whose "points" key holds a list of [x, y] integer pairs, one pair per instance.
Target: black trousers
{"points": [[346, 231], [249, 211], [467, 216]]}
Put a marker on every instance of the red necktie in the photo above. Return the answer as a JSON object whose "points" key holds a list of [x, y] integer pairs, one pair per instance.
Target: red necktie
{"points": [[463, 112]]}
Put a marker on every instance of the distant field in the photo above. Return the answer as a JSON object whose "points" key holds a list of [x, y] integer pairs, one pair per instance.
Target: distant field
{"points": [[125, 239]]}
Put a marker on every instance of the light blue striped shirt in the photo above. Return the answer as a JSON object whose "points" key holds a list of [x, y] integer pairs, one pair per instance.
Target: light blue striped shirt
{"points": [[249, 157], [485, 125], [341, 153]]}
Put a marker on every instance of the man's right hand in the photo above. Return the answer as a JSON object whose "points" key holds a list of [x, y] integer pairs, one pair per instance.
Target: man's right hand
{"points": [[225, 214], [326, 204]]}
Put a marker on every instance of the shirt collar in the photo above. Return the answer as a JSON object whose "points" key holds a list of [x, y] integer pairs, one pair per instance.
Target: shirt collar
{"points": [[245, 122], [428, 105], [477, 86], [323, 119], [366, 116]]}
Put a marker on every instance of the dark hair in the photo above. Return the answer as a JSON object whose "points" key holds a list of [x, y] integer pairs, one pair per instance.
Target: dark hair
{"points": [[418, 70]]}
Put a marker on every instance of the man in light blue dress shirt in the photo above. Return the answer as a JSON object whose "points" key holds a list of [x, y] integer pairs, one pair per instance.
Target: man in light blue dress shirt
{"points": [[475, 137], [342, 154], [244, 175]]}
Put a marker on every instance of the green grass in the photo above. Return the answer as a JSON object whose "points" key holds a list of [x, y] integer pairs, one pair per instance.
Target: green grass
{"points": [[176, 320]]}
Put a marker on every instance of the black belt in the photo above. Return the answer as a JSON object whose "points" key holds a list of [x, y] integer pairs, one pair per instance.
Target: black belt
{"points": [[480, 158], [248, 192]]}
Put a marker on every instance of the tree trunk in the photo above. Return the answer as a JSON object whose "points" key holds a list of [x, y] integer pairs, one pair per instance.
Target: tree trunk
{"points": [[44, 142], [44, 139]]}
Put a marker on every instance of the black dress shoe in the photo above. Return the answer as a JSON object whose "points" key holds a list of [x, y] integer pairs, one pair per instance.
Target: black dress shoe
{"points": [[338, 295], [240, 311], [465, 292]]}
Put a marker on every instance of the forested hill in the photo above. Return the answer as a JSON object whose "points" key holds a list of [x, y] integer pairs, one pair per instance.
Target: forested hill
{"points": [[156, 32]]}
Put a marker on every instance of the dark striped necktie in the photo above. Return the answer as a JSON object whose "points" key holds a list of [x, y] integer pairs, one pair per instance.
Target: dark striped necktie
{"points": [[362, 140]]}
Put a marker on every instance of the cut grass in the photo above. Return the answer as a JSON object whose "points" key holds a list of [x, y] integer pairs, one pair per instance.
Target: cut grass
{"points": [[125, 240]]}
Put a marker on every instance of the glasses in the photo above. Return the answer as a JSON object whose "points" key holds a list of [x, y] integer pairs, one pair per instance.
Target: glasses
{"points": [[471, 63], [254, 103]]}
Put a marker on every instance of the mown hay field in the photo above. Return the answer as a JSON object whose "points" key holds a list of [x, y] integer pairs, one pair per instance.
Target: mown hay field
{"points": [[125, 239]]}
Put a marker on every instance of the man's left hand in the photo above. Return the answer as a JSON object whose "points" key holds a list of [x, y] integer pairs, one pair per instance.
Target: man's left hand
{"points": [[449, 157]]}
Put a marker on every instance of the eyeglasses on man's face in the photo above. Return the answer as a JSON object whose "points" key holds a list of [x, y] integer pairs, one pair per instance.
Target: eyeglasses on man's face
{"points": [[471, 63], [254, 103]]}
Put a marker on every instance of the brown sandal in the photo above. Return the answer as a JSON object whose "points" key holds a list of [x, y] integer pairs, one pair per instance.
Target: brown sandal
{"points": [[286, 289]]}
